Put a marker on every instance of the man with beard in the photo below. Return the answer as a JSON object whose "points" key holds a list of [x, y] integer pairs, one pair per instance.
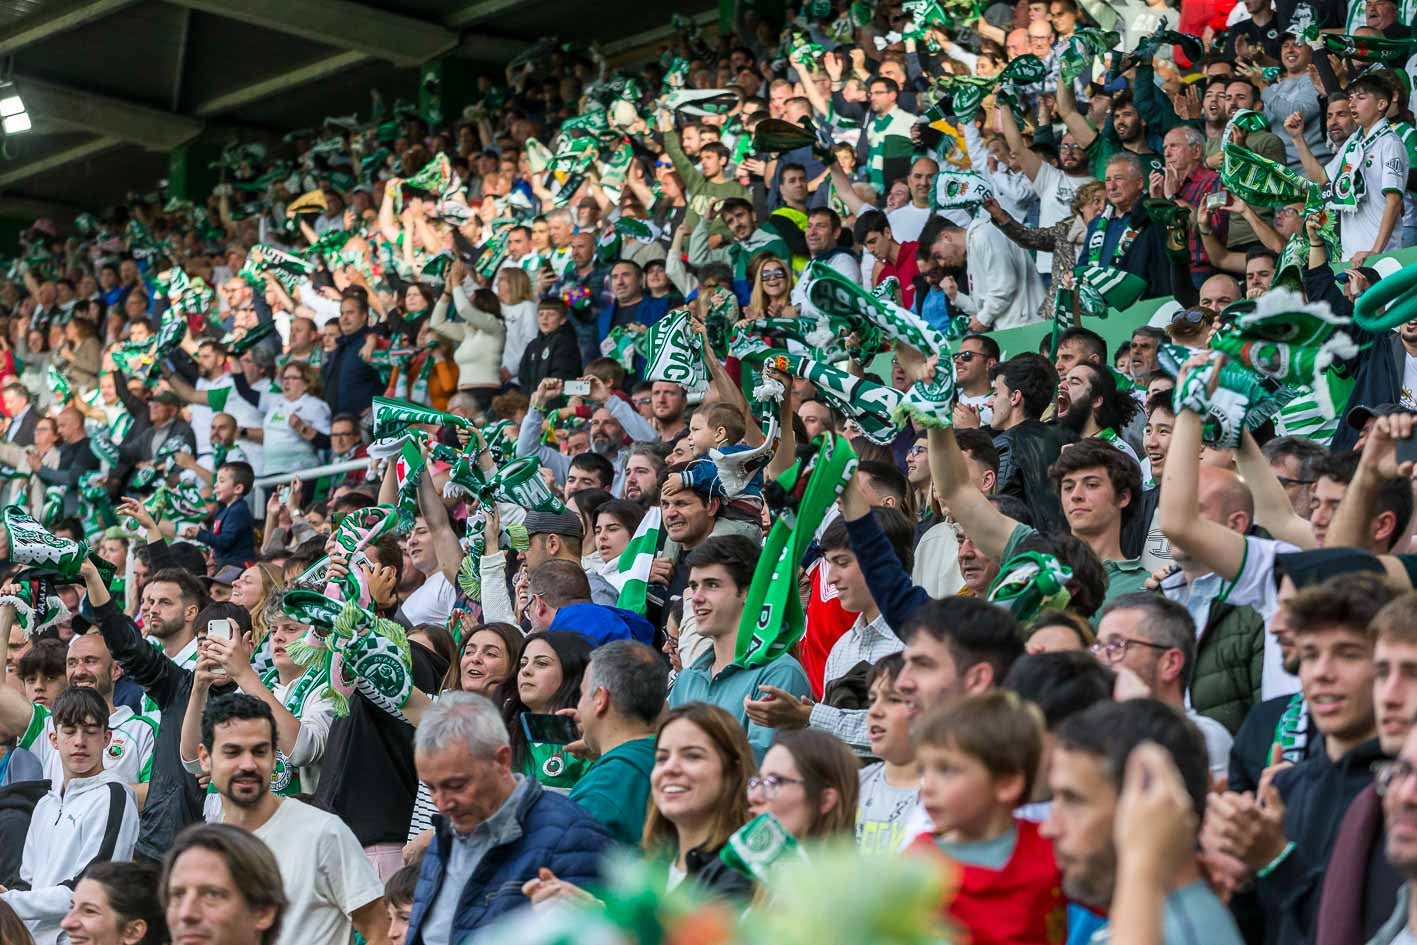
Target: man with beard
{"points": [[1283, 835], [1055, 186], [1339, 124], [88, 663], [331, 888], [614, 428], [644, 467], [1124, 133], [973, 361], [1087, 764], [1089, 405]]}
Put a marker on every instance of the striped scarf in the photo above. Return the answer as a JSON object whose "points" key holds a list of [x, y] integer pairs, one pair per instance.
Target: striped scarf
{"points": [[887, 137]]}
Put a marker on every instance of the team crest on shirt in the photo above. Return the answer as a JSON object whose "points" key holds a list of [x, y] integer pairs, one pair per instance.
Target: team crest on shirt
{"points": [[115, 750]]}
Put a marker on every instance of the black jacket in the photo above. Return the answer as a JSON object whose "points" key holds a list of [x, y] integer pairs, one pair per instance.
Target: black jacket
{"points": [[555, 355], [1148, 258], [1316, 795], [75, 459], [16, 806], [174, 800], [350, 381], [715, 878], [1025, 453]]}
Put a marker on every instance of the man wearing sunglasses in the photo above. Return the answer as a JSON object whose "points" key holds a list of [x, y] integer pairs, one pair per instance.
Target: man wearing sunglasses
{"points": [[975, 358]]}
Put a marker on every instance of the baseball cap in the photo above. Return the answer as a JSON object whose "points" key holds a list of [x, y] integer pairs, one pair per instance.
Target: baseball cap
{"points": [[226, 576], [1359, 416], [554, 523]]}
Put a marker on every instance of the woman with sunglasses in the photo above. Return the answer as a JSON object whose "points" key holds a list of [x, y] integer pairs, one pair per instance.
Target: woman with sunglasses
{"points": [[771, 288]]}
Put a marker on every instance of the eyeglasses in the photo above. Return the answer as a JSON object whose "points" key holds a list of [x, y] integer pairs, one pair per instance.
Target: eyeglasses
{"points": [[770, 784], [1387, 774], [1115, 649], [1286, 482]]}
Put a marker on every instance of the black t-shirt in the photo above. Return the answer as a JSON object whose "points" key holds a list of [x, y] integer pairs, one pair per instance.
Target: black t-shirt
{"points": [[1259, 37], [368, 775]]}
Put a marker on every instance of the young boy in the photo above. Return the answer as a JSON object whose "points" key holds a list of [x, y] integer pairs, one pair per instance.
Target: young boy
{"points": [[43, 673], [554, 352], [398, 900], [232, 534], [978, 760], [720, 427], [890, 788], [89, 816], [1369, 174]]}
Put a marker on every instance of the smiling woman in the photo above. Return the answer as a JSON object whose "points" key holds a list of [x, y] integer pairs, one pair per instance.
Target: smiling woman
{"points": [[114, 904]]}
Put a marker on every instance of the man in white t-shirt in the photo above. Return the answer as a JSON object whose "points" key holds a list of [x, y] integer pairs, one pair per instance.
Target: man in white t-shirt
{"points": [[1055, 186], [331, 886], [1369, 174], [907, 221], [975, 358]]}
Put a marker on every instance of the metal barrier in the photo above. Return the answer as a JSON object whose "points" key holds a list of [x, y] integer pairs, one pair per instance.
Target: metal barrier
{"points": [[331, 469]]}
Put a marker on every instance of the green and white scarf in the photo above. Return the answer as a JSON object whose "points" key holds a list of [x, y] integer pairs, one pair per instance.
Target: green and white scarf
{"points": [[1101, 289], [773, 619], [1029, 583], [1241, 401], [869, 405], [1254, 178], [960, 190], [285, 777], [674, 353], [1347, 189], [833, 293], [887, 137], [1082, 48]]}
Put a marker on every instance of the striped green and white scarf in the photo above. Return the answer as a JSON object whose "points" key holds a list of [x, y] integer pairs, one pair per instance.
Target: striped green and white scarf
{"points": [[887, 137], [674, 353]]}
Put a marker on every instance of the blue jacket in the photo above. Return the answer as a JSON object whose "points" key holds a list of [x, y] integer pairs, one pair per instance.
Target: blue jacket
{"points": [[889, 583], [350, 382], [551, 831], [232, 535], [600, 624], [650, 310]]}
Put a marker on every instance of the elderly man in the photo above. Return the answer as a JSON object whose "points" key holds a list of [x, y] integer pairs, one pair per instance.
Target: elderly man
{"points": [[1187, 181], [1126, 237], [499, 828]]}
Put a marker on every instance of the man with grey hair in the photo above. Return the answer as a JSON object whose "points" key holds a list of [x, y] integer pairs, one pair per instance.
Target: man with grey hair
{"points": [[622, 694], [1153, 640], [1187, 181], [1124, 236], [1293, 459], [497, 829]]}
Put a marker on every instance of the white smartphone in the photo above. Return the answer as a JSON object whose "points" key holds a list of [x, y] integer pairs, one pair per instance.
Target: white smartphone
{"points": [[576, 388], [219, 629]]}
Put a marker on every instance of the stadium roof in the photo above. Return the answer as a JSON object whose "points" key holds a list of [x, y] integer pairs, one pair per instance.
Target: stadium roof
{"points": [[113, 85]]}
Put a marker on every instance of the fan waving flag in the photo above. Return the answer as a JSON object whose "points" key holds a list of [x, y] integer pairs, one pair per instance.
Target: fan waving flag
{"points": [[633, 576]]}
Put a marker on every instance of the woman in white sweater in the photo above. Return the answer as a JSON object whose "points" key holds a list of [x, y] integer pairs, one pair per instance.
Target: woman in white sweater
{"points": [[480, 334], [518, 300]]}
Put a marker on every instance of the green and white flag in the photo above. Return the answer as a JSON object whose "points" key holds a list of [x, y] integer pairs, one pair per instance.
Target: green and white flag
{"points": [[960, 190], [773, 619], [674, 352], [1101, 288], [633, 576]]}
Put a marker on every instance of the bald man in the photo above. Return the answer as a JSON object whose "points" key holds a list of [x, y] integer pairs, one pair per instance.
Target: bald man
{"points": [[75, 459], [1226, 678]]}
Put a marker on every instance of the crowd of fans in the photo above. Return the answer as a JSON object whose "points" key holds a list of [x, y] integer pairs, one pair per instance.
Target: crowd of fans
{"points": [[1117, 643]]}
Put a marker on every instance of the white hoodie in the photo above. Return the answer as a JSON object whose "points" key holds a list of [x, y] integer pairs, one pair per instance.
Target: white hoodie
{"points": [[69, 831]]}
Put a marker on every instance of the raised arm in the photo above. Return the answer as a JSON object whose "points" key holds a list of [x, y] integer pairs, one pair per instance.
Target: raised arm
{"points": [[15, 710], [445, 542], [1213, 545], [1028, 159], [985, 525], [1273, 510], [1084, 133]]}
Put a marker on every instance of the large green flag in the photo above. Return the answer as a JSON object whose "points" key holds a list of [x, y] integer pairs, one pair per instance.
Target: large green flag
{"points": [[773, 619]]}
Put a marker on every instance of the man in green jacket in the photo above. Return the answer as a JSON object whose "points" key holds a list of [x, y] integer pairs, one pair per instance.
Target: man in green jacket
{"points": [[702, 188], [622, 693]]}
